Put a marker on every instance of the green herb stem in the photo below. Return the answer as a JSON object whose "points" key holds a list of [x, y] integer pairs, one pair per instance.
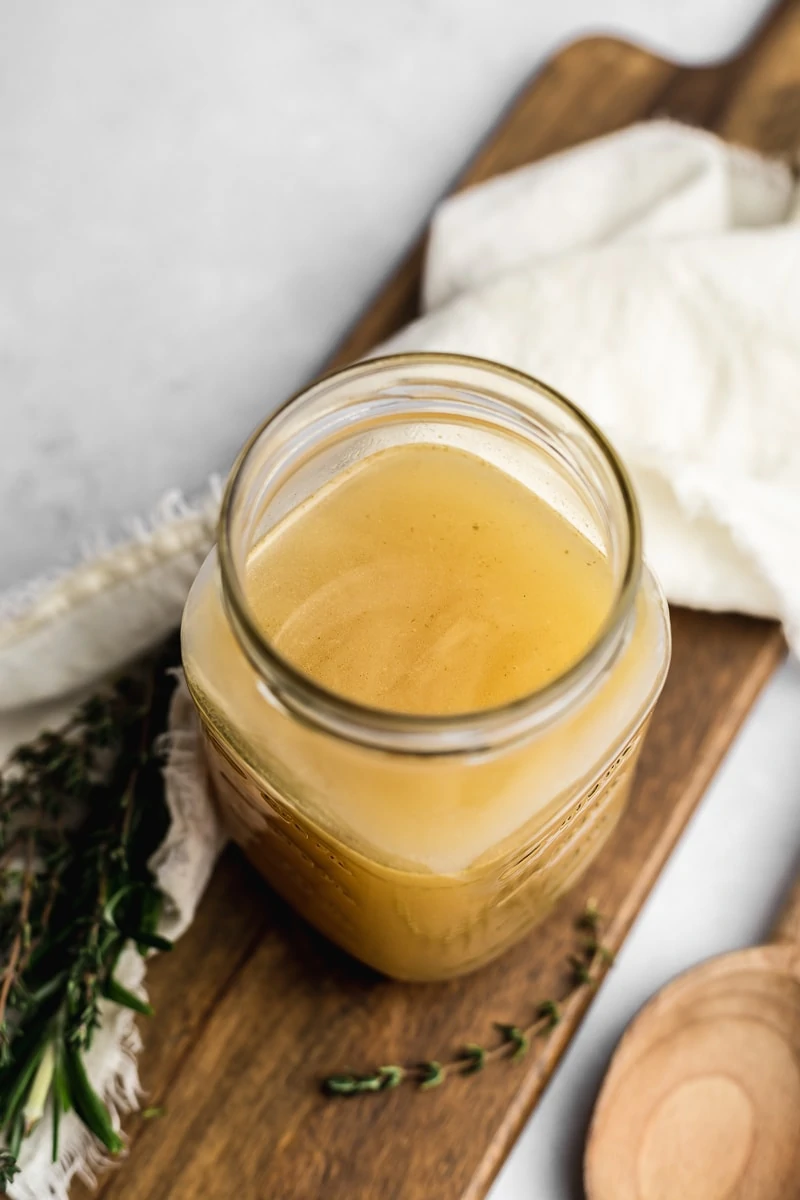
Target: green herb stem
{"points": [[84, 809], [514, 1041]]}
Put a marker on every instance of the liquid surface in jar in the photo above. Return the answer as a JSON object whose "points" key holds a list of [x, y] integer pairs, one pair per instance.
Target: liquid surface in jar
{"points": [[425, 580]]}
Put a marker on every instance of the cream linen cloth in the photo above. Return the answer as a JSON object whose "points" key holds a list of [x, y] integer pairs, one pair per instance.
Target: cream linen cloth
{"points": [[654, 277]]}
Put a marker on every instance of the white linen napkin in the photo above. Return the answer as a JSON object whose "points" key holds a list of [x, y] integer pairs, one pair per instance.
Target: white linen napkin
{"points": [[654, 277]]}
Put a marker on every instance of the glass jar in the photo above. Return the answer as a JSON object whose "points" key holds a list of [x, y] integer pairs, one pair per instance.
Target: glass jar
{"points": [[423, 845]]}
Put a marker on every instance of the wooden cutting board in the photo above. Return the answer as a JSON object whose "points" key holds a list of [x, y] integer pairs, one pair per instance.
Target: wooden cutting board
{"points": [[253, 1007]]}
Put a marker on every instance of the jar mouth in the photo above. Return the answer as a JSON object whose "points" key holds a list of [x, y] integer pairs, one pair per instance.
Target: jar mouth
{"points": [[429, 734]]}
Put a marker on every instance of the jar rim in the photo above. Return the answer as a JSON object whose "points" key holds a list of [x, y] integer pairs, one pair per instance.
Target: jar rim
{"points": [[415, 733]]}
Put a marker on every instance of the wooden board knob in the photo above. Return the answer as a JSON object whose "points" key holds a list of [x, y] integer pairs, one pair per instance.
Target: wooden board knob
{"points": [[787, 927]]}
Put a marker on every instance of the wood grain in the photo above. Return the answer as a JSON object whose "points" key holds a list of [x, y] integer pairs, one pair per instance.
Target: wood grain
{"points": [[702, 1098], [253, 1007]]}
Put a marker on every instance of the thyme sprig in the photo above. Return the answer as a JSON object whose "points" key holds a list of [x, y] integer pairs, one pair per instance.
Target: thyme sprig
{"points": [[81, 811], [513, 1043]]}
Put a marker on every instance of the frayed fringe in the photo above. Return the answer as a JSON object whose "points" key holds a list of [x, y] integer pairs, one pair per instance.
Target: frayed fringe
{"points": [[183, 876], [17, 601]]}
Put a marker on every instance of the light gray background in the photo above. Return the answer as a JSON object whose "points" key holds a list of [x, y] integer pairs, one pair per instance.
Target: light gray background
{"points": [[197, 200]]}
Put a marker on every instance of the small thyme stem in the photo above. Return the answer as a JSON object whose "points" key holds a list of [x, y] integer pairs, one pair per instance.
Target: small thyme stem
{"points": [[515, 1042], [10, 969]]}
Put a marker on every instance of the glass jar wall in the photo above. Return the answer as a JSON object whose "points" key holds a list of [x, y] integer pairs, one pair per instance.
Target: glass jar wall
{"points": [[424, 843]]}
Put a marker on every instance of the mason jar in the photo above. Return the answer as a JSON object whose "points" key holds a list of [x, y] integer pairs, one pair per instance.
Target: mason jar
{"points": [[424, 845]]}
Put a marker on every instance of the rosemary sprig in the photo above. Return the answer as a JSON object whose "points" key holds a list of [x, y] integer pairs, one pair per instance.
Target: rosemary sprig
{"points": [[81, 811], [513, 1042]]}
